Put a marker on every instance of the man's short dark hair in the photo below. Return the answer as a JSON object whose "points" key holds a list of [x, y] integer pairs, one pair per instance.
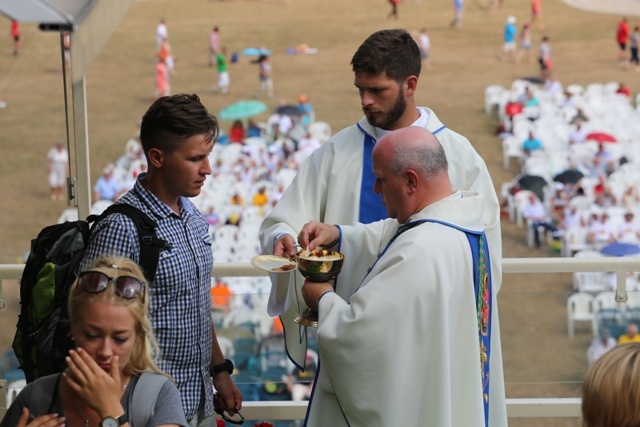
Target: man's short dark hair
{"points": [[172, 119], [392, 51]]}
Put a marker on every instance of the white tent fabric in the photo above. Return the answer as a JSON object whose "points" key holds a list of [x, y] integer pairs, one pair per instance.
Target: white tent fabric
{"points": [[90, 23], [614, 7]]}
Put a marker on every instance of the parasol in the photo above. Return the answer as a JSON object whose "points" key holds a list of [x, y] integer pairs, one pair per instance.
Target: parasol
{"points": [[571, 176], [600, 137], [535, 80], [289, 110], [533, 183], [242, 110], [620, 249], [253, 51], [512, 108]]}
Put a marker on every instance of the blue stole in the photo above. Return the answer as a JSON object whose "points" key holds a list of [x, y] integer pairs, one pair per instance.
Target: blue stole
{"points": [[371, 207], [483, 293]]}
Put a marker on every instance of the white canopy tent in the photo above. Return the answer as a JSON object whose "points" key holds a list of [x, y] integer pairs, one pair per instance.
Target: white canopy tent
{"points": [[614, 7], [90, 24]]}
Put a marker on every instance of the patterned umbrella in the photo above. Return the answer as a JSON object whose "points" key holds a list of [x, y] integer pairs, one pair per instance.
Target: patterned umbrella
{"points": [[242, 110]]}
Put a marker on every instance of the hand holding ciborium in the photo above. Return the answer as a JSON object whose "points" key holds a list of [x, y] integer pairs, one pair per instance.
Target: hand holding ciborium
{"points": [[315, 264], [320, 266]]}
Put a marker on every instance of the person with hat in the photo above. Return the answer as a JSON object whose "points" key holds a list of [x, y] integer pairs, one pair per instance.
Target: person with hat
{"points": [[509, 49], [308, 115]]}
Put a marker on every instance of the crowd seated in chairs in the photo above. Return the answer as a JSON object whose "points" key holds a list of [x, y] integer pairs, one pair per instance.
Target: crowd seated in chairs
{"points": [[589, 159], [590, 154]]}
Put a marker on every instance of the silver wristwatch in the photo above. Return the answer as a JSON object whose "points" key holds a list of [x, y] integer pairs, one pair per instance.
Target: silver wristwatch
{"points": [[113, 422]]}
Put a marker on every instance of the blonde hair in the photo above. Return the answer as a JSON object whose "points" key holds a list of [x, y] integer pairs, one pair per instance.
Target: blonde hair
{"points": [[611, 389], [145, 348]]}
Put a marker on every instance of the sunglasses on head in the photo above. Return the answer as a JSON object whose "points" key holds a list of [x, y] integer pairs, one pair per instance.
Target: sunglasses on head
{"points": [[125, 286]]}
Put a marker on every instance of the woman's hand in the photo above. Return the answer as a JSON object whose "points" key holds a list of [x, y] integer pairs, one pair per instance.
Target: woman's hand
{"points": [[49, 420], [99, 389]]}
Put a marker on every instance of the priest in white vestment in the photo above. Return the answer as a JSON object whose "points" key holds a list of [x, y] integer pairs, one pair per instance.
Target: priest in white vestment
{"points": [[335, 185], [410, 346]]}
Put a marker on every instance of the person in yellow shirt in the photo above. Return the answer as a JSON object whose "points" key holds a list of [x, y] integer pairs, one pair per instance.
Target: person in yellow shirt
{"points": [[260, 198], [631, 335]]}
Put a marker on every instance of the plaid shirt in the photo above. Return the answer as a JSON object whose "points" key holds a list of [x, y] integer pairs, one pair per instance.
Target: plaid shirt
{"points": [[179, 304]]}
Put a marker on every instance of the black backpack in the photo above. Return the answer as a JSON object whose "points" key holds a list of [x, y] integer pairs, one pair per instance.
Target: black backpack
{"points": [[42, 339]]}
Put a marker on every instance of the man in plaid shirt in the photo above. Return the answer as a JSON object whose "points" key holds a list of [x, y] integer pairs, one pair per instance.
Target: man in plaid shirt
{"points": [[177, 135]]}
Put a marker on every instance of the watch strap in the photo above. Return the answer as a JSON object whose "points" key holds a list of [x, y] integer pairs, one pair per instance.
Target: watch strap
{"points": [[227, 366]]}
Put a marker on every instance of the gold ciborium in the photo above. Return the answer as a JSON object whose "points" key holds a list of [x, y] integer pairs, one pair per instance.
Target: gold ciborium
{"points": [[320, 265]]}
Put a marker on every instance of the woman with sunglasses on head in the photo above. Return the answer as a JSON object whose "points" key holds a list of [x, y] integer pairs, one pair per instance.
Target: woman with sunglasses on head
{"points": [[114, 347]]}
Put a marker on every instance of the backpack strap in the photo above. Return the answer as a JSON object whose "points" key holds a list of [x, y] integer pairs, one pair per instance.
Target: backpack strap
{"points": [[150, 244], [44, 392], [143, 399]]}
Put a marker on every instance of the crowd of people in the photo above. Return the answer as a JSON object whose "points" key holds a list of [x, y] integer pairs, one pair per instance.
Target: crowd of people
{"points": [[582, 143], [400, 162], [578, 184]]}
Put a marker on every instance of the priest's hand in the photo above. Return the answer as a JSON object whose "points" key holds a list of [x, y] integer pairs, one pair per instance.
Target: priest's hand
{"points": [[316, 234], [285, 246], [313, 291]]}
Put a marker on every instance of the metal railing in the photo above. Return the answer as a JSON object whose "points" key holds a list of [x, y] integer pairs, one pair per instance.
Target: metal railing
{"points": [[516, 408]]}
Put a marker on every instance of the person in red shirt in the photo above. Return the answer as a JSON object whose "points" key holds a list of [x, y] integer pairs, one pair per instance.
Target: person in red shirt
{"points": [[394, 9], [15, 34], [622, 37], [236, 132], [624, 89], [536, 14]]}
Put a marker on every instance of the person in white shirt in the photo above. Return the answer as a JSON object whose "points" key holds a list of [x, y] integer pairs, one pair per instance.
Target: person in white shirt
{"points": [[162, 32], [536, 215], [424, 42], [628, 230], [601, 230], [600, 345]]}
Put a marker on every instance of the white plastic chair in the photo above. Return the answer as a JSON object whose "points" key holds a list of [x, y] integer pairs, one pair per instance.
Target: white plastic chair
{"points": [[633, 300], [100, 206], [580, 309], [521, 198], [605, 300], [590, 282], [575, 89], [492, 97], [320, 131], [69, 214], [575, 240], [511, 147]]}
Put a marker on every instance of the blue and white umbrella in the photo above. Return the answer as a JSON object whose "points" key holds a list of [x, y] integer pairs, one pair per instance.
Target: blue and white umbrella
{"points": [[242, 110], [254, 51], [620, 249]]}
